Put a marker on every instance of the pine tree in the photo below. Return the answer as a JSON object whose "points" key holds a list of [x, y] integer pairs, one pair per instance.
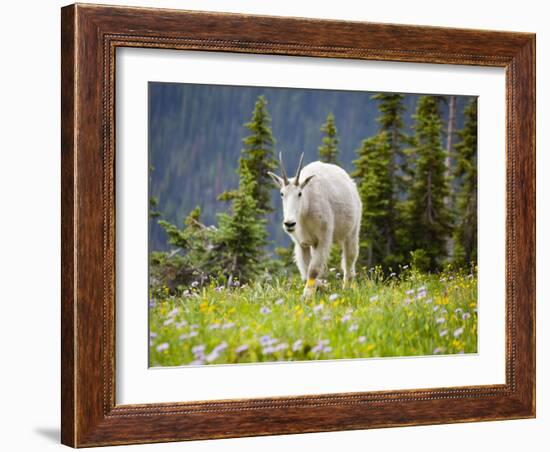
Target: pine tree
{"points": [[391, 121], [258, 157], [189, 260], [375, 189], [328, 151], [428, 219], [241, 236], [391, 130], [465, 233]]}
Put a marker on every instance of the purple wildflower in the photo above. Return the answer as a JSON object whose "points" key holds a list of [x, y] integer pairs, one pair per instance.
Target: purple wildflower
{"points": [[282, 346], [241, 349], [297, 346], [198, 349], [162, 347]]}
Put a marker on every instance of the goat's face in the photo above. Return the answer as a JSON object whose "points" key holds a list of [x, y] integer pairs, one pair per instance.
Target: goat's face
{"points": [[291, 194]]}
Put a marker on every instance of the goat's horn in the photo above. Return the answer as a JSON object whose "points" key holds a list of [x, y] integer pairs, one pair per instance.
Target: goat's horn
{"points": [[283, 172], [297, 180]]}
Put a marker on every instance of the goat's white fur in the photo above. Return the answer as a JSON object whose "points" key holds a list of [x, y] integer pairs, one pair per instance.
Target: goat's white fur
{"points": [[327, 211]]}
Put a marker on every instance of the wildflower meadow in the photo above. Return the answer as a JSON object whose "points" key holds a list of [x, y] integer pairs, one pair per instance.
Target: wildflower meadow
{"points": [[407, 315]]}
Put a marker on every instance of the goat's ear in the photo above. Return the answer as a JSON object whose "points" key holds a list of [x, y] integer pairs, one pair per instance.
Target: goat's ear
{"points": [[306, 181], [278, 180]]}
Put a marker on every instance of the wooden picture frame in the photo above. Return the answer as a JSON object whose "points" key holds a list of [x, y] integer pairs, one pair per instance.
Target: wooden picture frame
{"points": [[90, 36]]}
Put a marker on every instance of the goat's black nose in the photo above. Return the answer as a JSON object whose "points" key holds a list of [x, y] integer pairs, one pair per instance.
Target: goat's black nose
{"points": [[290, 224]]}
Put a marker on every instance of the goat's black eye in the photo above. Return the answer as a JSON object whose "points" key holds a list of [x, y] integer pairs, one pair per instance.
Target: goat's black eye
{"points": [[299, 194], [282, 195]]}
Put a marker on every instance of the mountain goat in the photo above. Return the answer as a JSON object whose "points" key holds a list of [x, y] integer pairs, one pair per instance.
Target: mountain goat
{"points": [[321, 206]]}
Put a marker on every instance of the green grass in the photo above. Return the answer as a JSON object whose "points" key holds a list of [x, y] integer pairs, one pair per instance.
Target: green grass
{"points": [[407, 316]]}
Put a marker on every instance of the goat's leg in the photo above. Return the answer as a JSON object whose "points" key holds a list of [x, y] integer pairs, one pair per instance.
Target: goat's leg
{"points": [[350, 251], [319, 257], [302, 257]]}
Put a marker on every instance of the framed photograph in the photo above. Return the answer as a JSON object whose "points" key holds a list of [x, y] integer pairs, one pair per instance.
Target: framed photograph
{"points": [[281, 225]]}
